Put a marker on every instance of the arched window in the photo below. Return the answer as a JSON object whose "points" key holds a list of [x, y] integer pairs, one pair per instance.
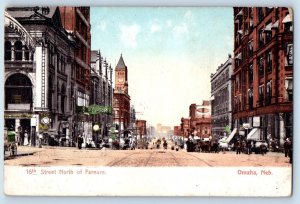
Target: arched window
{"points": [[7, 50], [26, 50], [18, 90], [18, 50]]}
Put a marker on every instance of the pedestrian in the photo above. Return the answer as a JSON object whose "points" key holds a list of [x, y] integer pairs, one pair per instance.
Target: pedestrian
{"points": [[238, 147], [40, 139], [26, 139], [291, 151], [79, 141], [286, 146]]}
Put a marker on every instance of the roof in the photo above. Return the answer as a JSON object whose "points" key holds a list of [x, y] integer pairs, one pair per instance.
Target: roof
{"points": [[121, 63], [26, 12], [94, 54]]}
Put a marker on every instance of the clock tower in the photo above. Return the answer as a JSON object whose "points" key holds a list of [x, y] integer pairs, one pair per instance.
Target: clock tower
{"points": [[121, 79], [121, 98]]}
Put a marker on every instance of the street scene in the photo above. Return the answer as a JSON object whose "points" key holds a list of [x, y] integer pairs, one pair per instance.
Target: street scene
{"points": [[148, 87]]}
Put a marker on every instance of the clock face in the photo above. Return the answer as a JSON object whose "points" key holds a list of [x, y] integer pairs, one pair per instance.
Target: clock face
{"points": [[45, 120]]}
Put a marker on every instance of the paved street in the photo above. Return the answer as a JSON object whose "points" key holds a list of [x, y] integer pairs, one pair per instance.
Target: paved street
{"points": [[59, 156]]}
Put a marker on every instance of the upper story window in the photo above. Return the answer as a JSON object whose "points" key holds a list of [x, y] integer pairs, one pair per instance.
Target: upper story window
{"points": [[261, 66], [7, 50], [269, 61], [260, 13], [18, 50], [250, 73]]}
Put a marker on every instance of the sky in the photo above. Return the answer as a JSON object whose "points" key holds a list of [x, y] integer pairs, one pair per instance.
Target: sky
{"points": [[170, 53]]}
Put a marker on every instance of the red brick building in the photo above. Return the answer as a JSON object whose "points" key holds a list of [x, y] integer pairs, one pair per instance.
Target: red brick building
{"points": [[177, 131], [77, 21], [141, 127], [185, 127], [200, 119], [263, 73], [121, 98]]}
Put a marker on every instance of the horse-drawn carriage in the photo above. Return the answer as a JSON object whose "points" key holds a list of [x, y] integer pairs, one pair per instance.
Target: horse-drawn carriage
{"points": [[10, 143]]}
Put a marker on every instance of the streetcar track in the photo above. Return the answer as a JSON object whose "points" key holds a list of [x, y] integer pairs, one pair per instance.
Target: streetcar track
{"points": [[147, 161], [201, 160], [176, 160], [118, 161]]}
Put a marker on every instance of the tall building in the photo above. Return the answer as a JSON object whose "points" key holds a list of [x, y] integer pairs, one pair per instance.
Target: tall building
{"points": [[263, 72], [39, 59], [121, 103], [101, 92], [76, 20], [141, 128], [221, 105]]}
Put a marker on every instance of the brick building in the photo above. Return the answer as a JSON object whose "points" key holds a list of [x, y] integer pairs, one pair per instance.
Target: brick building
{"points": [[121, 98], [221, 103], [176, 131], [141, 128], [263, 73], [185, 127], [200, 119]]}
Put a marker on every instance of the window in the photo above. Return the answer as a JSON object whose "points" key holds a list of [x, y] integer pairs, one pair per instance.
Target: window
{"points": [[250, 73], [269, 93], [269, 61], [261, 66], [26, 52], [260, 13], [289, 88], [18, 50], [7, 50], [260, 38], [250, 98], [250, 46], [261, 93]]}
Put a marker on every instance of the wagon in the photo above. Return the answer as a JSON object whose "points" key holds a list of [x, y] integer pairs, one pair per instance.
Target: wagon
{"points": [[10, 143]]}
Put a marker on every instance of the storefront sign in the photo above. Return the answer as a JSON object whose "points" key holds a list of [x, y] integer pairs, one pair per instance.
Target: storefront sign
{"points": [[256, 121], [15, 26]]}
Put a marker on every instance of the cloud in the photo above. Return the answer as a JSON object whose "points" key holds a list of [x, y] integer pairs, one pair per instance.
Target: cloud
{"points": [[102, 25], [188, 15], [169, 23], [129, 34], [155, 27], [180, 29]]}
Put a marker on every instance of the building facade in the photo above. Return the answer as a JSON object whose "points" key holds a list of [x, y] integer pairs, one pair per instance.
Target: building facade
{"points": [[39, 57], [141, 128], [121, 98], [263, 73], [101, 92], [200, 119], [76, 21], [221, 103]]}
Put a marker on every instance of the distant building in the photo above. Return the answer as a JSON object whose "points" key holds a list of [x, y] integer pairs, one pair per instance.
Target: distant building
{"points": [[221, 103], [176, 131], [141, 128], [121, 104], [200, 119], [185, 127]]}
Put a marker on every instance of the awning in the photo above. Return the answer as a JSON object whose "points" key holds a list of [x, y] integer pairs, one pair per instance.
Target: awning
{"points": [[287, 19], [268, 27], [239, 56], [275, 25], [254, 134], [231, 135], [239, 13], [212, 97], [240, 32]]}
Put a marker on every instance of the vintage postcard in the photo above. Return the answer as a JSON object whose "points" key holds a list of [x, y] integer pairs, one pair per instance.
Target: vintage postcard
{"points": [[148, 101]]}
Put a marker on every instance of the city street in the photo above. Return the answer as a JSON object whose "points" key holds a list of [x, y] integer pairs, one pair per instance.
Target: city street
{"points": [[60, 156]]}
